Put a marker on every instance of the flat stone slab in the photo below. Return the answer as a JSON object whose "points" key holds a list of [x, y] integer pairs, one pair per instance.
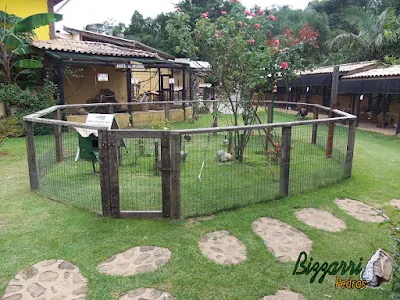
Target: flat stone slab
{"points": [[394, 202], [140, 259], [285, 295], [283, 240], [223, 248], [146, 294], [49, 279], [320, 219], [360, 211]]}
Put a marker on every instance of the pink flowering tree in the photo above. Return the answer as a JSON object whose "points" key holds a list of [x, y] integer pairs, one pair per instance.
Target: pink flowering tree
{"points": [[246, 61]]}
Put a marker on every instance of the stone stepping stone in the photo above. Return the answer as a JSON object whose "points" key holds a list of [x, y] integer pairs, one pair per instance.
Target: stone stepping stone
{"points": [[223, 248], [146, 294], [360, 211], [140, 259], [283, 240], [49, 279], [320, 219], [394, 202], [285, 295]]}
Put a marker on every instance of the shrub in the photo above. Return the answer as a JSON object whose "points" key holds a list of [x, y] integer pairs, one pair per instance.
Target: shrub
{"points": [[10, 127], [27, 101]]}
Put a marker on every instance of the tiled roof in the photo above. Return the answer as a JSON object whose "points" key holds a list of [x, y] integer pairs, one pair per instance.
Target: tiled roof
{"points": [[342, 68], [118, 41], [94, 48], [381, 72]]}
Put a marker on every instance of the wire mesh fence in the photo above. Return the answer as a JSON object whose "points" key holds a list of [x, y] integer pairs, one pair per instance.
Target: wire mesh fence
{"points": [[220, 167], [70, 176]]}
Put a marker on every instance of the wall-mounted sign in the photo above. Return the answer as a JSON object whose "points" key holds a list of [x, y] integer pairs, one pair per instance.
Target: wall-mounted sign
{"points": [[361, 97], [171, 81], [102, 77], [129, 66]]}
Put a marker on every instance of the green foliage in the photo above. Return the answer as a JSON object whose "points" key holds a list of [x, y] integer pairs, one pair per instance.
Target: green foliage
{"points": [[395, 234], [160, 125], [29, 100], [15, 40], [10, 127]]}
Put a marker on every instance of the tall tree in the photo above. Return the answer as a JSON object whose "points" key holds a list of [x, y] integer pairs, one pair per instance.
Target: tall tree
{"points": [[367, 37]]}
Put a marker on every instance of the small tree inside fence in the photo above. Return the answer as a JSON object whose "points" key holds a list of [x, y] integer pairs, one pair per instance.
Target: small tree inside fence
{"points": [[246, 59]]}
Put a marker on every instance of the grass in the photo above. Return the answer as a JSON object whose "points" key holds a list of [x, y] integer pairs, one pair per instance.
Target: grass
{"points": [[34, 228]]}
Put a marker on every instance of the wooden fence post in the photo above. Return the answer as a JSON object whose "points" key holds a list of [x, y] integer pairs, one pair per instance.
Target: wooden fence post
{"points": [[215, 113], [350, 148], [285, 160], [175, 177], [30, 146], [166, 174], [334, 93], [58, 136], [104, 173], [314, 127], [166, 111], [113, 171]]}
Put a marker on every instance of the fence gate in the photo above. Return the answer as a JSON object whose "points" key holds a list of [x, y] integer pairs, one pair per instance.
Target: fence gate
{"points": [[139, 174]]}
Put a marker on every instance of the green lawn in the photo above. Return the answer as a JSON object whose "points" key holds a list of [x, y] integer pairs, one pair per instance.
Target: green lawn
{"points": [[34, 228]]}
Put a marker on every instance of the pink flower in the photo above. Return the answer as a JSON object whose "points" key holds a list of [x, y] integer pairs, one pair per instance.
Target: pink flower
{"points": [[216, 35], [247, 13], [272, 18], [179, 9], [257, 26], [240, 23], [276, 43], [252, 42], [285, 65], [224, 12], [234, 1], [253, 14], [204, 15], [261, 12]]}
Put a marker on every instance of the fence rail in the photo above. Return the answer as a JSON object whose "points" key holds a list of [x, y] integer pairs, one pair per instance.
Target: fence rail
{"points": [[147, 173]]}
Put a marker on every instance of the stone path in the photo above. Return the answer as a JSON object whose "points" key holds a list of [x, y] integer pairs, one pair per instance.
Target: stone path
{"points": [[285, 295], [395, 203], [320, 219], [283, 240], [135, 260], [223, 248], [49, 279], [146, 294], [360, 211]]}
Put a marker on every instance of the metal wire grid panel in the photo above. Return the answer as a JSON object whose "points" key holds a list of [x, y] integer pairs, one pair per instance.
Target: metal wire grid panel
{"points": [[140, 174], [213, 180], [72, 176]]}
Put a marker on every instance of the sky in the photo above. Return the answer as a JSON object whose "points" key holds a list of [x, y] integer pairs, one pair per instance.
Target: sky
{"points": [[78, 13]]}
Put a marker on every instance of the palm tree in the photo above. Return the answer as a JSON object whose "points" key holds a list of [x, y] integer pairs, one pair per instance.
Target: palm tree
{"points": [[368, 37]]}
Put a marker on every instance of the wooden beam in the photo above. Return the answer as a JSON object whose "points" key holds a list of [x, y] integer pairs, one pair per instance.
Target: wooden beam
{"points": [[60, 82], [285, 160], [31, 153], [58, 136], [113, 153], [166, 174], [334, 93], [104, 173], [129, 93], [175, 177], [350, 149], [314, 127], [358, 109], [142, 214]]}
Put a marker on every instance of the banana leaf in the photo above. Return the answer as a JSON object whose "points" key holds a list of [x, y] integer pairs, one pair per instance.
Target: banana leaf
{"points": [[28, 63], [34, 21]]}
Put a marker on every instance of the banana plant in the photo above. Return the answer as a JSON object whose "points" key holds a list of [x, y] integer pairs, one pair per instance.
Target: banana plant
{"points": [[15, 40]]}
